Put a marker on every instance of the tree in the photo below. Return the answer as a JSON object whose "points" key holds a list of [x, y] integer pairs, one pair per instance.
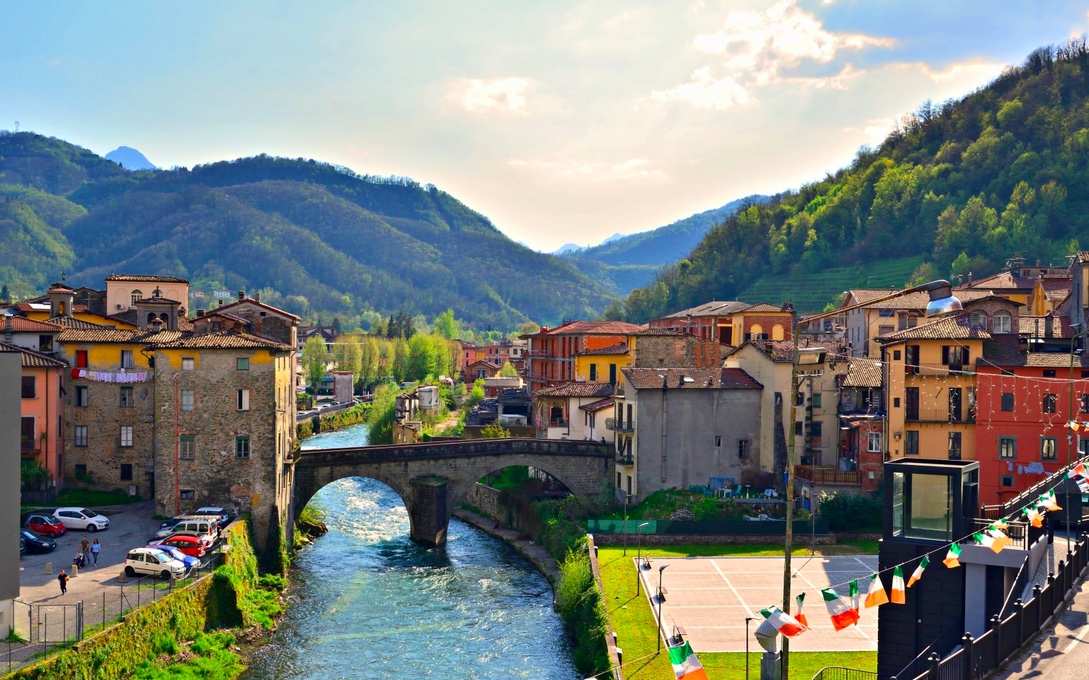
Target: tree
{"points": [[446, 326], [508, 370], [314, 361], [348, 356], [369, 356]]}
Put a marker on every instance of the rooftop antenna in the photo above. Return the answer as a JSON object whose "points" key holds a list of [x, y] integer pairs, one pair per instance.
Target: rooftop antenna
{"points": [[16, 126]]}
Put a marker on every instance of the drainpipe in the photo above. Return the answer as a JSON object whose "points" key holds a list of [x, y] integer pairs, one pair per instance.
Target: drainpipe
{"points": [[177, 486]]}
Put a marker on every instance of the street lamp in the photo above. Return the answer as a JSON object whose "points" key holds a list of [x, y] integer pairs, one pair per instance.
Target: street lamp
{"points": [[660, 570], [627, 497], [942, 303], [639, 555], [1070, 438], [747, 620]]}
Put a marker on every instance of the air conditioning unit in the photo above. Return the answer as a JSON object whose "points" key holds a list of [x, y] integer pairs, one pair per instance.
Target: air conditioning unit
{"points": [[120, 307]]}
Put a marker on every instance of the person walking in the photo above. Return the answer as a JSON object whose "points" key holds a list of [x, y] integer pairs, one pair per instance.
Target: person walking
{"points": [[85, 548], [96, 547], [63, 579]]}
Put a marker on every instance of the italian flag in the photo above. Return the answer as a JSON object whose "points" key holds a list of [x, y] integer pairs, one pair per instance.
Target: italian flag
{"points": [[918, 573], [856, 599], [898, 595], [685, 664], [801, 616], [952, 558], [1034, 517], [842, 615], [876, 596], [784, 623]]}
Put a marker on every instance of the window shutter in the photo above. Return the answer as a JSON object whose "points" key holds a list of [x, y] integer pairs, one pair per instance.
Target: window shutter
{"points": [[945, 355]]}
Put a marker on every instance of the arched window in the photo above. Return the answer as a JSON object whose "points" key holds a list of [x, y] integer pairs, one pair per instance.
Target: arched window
{"points": [[756, 332], [134, 296], [978, 319], [1003, 322], [777, 332], [150, 317]]}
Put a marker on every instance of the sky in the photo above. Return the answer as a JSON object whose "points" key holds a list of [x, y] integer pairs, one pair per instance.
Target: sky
{"points": [[563, 121]]}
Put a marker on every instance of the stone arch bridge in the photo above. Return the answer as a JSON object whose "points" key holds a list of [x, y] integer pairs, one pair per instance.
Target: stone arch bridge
{"points": [[433, 478]]}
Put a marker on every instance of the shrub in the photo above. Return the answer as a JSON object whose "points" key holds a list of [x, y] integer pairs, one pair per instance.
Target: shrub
{"points": [[851, 512], [579, 604]]}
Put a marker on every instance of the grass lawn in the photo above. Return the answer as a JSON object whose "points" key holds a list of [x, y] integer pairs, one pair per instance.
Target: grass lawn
{"points": [[636, 628], [89, 498]]}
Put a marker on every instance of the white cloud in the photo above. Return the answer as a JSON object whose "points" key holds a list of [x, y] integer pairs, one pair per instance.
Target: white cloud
{"points": [[967, 71], [705, 91], [632, 170], [498, 95]]}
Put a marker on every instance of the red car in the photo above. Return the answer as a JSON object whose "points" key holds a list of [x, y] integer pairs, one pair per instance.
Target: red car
{"points": [[190, 545], [44, 525]]}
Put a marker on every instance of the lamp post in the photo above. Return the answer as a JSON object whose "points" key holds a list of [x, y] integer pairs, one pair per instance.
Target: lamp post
{"points": [[941, 303], [660, 570], [639, 555], [747, 620], [626, 497], [1070, 439]]}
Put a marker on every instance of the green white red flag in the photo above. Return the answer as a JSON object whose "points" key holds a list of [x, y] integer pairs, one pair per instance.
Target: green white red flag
{"points": [[842, 615]]}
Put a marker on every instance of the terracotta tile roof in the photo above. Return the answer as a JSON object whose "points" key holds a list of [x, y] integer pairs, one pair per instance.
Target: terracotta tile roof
{"points": [[618, 348], [144, 277], [783, 350], [106, 335], [23, 324], [762, 307], [950, 328], [157, 299], [714, 308], [592, 328], [270, 308], [32, 359], [599, 405], [220, 340], [69, 322], [576, 389], [911, 301], [863, 373], [661, 331], [698, 378], [1004, 352], [1033, 325]]}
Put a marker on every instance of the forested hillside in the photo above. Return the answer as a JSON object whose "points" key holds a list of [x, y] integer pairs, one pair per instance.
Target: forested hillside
{"points": [[313, 238], [964, 184]]}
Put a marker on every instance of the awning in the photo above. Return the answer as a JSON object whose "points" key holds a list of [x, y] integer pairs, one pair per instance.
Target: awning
{"points": [[598, 405]]}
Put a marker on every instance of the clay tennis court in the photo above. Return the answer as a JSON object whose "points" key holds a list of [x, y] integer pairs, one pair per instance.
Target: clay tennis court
{"points": [[709, 598]]}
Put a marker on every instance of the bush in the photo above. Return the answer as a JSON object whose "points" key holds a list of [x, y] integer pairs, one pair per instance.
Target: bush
{"points": [[851, 512], [580, 605]]}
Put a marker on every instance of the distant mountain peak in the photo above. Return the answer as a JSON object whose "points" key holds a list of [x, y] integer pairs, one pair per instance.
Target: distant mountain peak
{"points": [[130, 159], [567, 248]]}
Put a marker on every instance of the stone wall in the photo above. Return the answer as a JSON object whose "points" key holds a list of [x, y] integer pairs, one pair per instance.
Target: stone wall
{"points": [[484, 498], [708, 539]]}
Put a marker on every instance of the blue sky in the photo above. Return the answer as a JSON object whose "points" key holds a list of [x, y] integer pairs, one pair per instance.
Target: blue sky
{"points": [[562, 121]]}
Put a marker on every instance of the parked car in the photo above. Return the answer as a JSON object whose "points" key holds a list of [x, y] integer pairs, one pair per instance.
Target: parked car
{"points": [[81, 518], [44, 525], [189, 562], [223, 518], [154, 562], [205, 529], [22, 545], [189, 545], [35, 543]]}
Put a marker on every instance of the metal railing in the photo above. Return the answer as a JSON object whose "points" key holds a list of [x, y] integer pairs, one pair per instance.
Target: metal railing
{"points": [[939, 415], [843, 673], [828, 475], [619, 425]]}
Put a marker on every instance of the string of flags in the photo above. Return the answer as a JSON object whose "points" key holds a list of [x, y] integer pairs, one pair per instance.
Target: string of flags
{"points": [[844, 615]]}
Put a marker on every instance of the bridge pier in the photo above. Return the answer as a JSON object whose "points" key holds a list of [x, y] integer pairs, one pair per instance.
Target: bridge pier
{"points": [[430, 516]]}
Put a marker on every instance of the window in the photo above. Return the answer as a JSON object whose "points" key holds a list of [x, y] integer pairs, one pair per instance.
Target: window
{"points": [[29, 387], [242, 447], [242, 401], [1007, 480], [1007, 448], [817, 400], [188, 363], [744, 450], [187, 447], [1049, 373], [896, 355], [978, 319], [126, 435], [81, 358], [126, 472], [911, 442], [1003, 322], [1007, 402], [911, 359], [81, 470], [189, 400], [873, 442], [45, 343], [134, 296], [187, 494], [954, 356], [1083, 447], [243, 364], [593, 372], [911, 406], [955, 411], [127, 398], [80, 435], [1049, 403], [954, 446], [886, 312], [82, 396], [1048, 447], [718, 440], [1085, 403], [815, 432], [126, 359]]}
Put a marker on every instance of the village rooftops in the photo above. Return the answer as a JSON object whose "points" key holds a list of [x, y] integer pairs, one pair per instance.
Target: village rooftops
{"points": [[142, 278], [863, 372], [576, 389], [618, 348], [782, 351], [949, 328], [713, 308], [690, 379], [21, 324], [910, 301], [588, 328], [32, 359]]}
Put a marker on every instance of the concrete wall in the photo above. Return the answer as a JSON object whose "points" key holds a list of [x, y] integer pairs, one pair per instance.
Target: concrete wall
{"points": [[11, 365]]}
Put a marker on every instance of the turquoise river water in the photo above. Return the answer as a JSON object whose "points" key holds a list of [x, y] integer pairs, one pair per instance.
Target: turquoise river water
{"points": [[367, 602]]}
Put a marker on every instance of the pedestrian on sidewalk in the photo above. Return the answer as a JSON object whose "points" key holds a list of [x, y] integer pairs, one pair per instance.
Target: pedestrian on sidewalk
{"points": [[96, 547], [63, 579], [85, 548]]}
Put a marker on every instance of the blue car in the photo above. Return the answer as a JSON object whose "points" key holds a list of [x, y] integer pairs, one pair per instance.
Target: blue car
{"points": [[189, 562]]}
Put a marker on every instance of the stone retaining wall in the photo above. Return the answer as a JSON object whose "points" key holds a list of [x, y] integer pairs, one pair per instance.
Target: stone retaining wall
{"points": [[707, 539]]}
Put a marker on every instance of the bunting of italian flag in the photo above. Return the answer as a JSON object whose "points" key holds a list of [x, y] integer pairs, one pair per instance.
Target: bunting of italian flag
{"points": [[842, 615], [1083, 484], [877, 595], [1034, 517], [1048, 501], [800, 616], [952, 558], [984, 539], [784, 623], [1000, 539], [856, 599], [898, 594], [685, 664], [918, 573]]}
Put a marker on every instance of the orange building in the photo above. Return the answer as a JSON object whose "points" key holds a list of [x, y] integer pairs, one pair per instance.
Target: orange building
{"points": [[41, 426], [550, 355]]}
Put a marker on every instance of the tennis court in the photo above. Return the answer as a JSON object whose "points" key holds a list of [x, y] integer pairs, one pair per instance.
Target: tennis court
{"points": [[709, 598]]}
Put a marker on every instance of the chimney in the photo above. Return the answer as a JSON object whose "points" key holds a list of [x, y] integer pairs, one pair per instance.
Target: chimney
{"points": [[241, 295], [960, 279], [1049, 330], [9, 326], [969, 278], [200, 313], [156, 325]]}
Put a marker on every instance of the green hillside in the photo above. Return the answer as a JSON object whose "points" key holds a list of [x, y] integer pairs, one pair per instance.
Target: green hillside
{"points": [[811, 292], [964, 185], [315, 239]]}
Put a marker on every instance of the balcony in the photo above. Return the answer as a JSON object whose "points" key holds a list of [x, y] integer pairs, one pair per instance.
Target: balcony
{"points": [[625, 459], [823, 474], [618, 425], [938, 415], [939, 369]]}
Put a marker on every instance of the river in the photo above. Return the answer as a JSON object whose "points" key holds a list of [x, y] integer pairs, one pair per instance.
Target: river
{"points": [[367, 602]]}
